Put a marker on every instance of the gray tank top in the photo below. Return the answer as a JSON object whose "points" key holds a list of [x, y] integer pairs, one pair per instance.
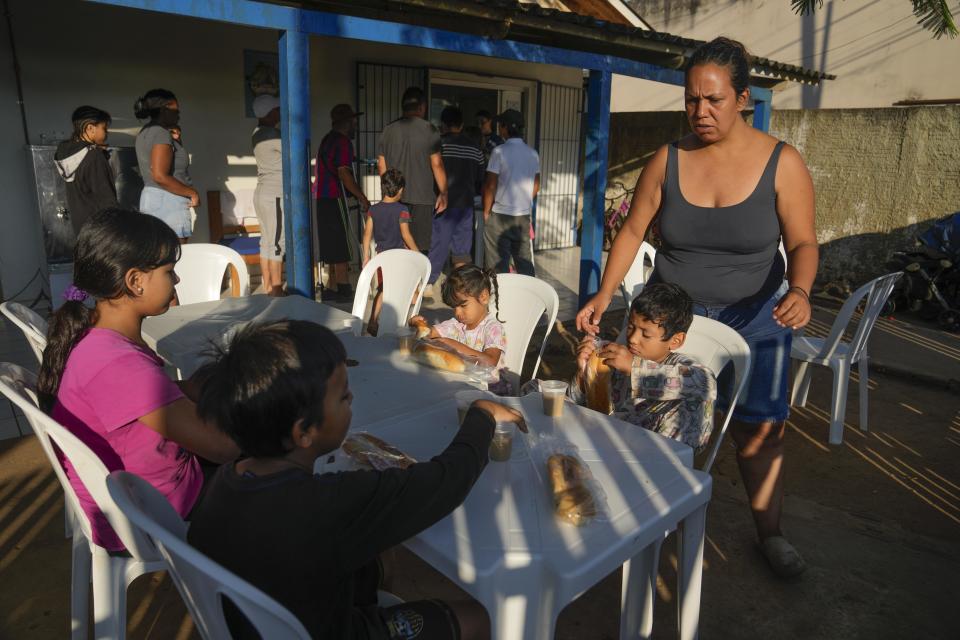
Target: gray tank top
{"points": [[721, 255]]}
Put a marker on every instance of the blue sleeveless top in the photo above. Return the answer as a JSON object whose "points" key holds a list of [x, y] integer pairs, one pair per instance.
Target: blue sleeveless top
{"points": [[721, 255]]}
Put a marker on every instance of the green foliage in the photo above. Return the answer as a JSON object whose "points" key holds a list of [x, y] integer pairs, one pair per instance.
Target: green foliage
{"points": [[932, 15]]}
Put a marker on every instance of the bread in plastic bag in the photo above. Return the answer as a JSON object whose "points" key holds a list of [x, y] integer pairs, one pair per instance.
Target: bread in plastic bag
{"points": [[578, 498], [371, 452]]}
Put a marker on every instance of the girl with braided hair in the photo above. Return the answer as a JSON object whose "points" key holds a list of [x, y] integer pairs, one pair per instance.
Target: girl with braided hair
{"points": [[473, 331]]}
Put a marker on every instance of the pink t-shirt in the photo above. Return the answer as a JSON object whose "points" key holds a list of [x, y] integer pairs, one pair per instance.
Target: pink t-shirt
{"points": [[108, 384]]}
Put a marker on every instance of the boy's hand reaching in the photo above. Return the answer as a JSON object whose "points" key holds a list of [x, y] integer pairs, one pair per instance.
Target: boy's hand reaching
{"points": [[502, 413], [617, 356]]}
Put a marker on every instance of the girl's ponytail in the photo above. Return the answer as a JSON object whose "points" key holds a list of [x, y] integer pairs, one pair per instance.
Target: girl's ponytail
{"points": [[70, 323], [494, 287]]}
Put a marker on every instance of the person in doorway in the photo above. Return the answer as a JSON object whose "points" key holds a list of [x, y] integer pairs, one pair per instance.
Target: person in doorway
{"points": [[490, 139], [84, 164], [453, 229], [167, 193], [412, 145], [511, 184], [724, 196], [268, 198], [334, 180]]}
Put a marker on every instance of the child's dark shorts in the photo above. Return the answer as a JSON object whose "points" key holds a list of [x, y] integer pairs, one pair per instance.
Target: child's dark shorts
{"points": [[421, 619]]}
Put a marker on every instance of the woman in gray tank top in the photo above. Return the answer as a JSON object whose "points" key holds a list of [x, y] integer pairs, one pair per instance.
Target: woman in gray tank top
{"points": [[724, 196]]}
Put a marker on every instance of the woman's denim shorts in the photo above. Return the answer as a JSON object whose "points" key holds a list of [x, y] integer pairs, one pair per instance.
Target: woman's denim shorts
{"points": [[765, 397], [169, 207]]}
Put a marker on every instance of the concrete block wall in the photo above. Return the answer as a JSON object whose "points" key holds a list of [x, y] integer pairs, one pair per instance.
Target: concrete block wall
{"points": [[880, 175]]}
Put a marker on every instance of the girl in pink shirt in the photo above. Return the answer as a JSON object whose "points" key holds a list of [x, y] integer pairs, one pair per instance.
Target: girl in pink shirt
{"points": [[101, 381]]}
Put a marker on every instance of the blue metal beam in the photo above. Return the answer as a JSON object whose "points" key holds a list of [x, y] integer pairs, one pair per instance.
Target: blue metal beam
{"points": [[320, 23], [594, 182], [762, 101], [295, 138]]}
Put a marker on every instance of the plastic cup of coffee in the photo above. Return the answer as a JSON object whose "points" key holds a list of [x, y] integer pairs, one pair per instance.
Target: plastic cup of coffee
{"points": [[405, 339], [501, 447], [466, 398], [554, 393]]}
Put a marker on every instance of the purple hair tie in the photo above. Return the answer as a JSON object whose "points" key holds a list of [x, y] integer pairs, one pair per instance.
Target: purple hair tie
{"points": [[74, 294]]}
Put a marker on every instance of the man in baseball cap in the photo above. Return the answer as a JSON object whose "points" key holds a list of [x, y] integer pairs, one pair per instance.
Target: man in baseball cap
{"points": [[509, 189], [335, 180]]}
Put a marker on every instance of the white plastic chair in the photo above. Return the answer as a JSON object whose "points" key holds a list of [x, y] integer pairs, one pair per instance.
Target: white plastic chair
{"points": [[34, 327], [636, 277], [111, 574], [405, 273], [840, 356], [715, 345], [201, 268], [523, 300], [202, 583]]}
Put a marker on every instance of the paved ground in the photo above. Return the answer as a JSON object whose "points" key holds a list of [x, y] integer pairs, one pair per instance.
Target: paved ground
{"points": [[878, 519]]}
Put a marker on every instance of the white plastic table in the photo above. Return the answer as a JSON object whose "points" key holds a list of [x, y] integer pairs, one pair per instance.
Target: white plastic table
{"points": [[384, 383], [505, 547]]}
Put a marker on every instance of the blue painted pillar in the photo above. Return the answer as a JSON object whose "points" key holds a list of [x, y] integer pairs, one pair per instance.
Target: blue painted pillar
{"points": [[295, 137], [762, 100], [594, 182]]}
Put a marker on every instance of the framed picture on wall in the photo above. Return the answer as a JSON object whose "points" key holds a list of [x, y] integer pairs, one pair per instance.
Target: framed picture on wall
{"points": [[261, 74]]}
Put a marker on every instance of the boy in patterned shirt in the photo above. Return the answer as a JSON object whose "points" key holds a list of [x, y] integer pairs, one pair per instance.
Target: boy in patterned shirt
{"points": [[651, 385]]}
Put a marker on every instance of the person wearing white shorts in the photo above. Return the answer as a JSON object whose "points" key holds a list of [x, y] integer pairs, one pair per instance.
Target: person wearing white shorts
{"points": [[268, 197]]}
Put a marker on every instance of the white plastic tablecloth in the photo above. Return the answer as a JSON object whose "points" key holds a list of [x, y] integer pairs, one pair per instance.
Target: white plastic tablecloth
{"points": [[506, 548]]}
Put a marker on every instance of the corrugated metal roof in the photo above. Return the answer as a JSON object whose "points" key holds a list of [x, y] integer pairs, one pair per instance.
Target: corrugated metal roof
{"points": [[512, 20]]}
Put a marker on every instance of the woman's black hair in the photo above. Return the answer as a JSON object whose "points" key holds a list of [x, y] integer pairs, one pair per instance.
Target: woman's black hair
{"points": [[470, 280], [727, 53], [85, 116], [666, 305], [391, 182], [266, 378], [110, 244], [149, 104]]}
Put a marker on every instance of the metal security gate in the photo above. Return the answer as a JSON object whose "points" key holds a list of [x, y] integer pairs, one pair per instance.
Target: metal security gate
{"points": [[379, 90], [560, 145]]}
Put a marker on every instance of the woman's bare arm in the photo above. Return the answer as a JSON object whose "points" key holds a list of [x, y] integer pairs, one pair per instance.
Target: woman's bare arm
{"points": [[796, 208]]}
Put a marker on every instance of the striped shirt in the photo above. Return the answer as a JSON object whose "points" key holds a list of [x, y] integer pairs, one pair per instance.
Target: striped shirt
{"points": [[463, 162]]}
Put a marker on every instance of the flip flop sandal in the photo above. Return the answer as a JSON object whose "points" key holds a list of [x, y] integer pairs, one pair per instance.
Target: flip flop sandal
{"points": [[784, 559]]}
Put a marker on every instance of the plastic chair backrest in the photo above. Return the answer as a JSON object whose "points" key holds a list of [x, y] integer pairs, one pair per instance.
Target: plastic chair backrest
{"points": [[405, 273], [19, 386], [636, 275], [202, 582], [523, 300], [876, 291], [34, 327], [715, 345], [201, 268]]}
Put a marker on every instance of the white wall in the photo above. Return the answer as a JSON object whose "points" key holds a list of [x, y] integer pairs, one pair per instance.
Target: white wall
{"points": [[875, 48], [84, 53]]}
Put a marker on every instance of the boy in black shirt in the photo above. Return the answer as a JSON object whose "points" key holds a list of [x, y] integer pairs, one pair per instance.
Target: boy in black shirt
{"points": [[312, 542], [83, 162]]}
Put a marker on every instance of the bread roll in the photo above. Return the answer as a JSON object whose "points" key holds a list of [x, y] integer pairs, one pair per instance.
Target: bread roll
{"points": [[423, 329], [596, 381], [439, 358], [572, 500], [370, 451]]}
